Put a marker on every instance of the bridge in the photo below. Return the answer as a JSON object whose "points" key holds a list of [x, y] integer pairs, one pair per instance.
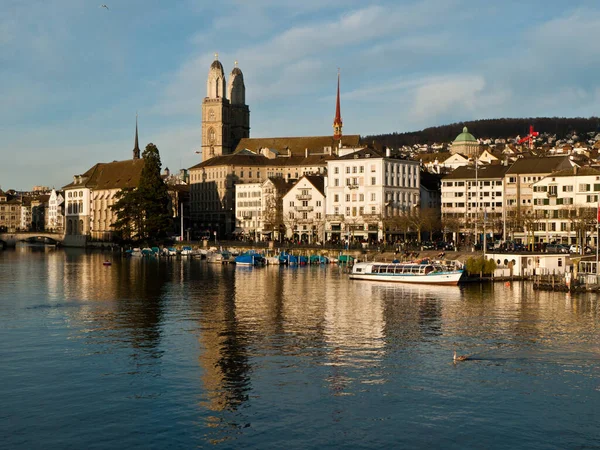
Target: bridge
{"points": [[11, 239]]}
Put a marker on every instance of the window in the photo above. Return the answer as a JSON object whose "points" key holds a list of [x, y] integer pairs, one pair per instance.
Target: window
{"points": [[318, 215], [373, 181], [336, 182], [336, 170], [512, 179], [361, 169], [291, 204], [567, 188], [348, 169], [336, 198], [584, 187], [304, 203], [373, 210], [373, 196], [361, 197], [348, 211], [318, 203]]}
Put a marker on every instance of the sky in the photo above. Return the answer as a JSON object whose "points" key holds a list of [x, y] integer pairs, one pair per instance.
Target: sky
{"points": [[73, 74]]}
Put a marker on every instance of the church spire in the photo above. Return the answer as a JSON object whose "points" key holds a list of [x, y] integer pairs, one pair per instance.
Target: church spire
{"points": [[337, 121], [136, 147]]}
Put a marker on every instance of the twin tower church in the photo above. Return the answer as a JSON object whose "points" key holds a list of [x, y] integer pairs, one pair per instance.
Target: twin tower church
{"points": [[226, 116]]}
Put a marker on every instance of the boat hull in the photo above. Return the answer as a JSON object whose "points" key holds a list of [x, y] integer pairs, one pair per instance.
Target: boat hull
{"points": [[442, 279]]}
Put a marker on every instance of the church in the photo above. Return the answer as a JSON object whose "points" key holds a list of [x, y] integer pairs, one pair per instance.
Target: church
{"points": [[230, 156], [225, 119]]}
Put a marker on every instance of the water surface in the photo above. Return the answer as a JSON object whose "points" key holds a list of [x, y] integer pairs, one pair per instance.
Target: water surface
{"points": [[176, 353]]}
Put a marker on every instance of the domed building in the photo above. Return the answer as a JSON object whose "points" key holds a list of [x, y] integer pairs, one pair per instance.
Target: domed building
{"points": [[465, 144]]}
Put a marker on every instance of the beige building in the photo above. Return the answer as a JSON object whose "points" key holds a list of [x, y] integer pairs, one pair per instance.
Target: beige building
{"points": [[88, 199], [10, 212]]}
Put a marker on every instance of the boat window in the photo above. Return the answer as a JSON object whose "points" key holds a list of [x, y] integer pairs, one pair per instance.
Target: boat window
{"points": [[375, 269], [358, 269]]}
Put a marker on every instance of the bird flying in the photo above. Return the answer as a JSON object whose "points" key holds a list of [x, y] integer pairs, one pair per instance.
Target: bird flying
{"points": [[104, 6]]}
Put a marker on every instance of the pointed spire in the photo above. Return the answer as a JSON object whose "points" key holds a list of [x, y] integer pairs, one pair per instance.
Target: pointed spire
{"points": [[337, 121], [136, 147]]}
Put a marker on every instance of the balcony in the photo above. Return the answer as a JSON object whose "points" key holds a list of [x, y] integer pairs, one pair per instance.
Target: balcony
{"points": [[303, 197], [334, 217], [304, 208], [551, 194]]}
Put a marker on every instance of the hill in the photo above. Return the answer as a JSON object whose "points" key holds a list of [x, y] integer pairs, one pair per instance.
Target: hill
{"points": [[489, 128]]}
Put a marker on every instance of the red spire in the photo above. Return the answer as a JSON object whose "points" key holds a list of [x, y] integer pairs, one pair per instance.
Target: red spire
{"points": [[337, 121]]}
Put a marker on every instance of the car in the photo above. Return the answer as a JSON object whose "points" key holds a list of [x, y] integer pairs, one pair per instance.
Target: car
{"points": [[577, 249], [557, 248]]}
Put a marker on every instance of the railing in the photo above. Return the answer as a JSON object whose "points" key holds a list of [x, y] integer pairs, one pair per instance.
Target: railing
{"points": [[303, 197], [335, 217], [304, 208]]}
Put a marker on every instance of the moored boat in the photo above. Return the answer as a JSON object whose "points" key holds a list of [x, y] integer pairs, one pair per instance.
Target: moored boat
{"points": [[250, 258], [416, 273]]}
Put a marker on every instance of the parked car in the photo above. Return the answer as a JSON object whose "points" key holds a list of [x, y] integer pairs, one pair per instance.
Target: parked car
{"points": [[577, 249], [557, 248]]}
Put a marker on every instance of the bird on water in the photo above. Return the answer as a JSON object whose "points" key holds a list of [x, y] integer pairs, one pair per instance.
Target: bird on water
{"points": [[460, 357]]}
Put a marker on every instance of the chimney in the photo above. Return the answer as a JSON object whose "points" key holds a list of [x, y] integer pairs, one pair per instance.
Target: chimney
{"points": [[306, 153], [575, 170], [388, 152]]}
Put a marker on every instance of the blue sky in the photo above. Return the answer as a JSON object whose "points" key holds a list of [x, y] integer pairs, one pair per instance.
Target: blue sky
{"points": [[73, 74]]}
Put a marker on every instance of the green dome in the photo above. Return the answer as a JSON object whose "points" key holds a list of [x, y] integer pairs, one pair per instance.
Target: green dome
{"points": [[465, 136]]}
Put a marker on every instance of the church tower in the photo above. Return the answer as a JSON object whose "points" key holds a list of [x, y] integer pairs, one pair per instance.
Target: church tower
{"points": [[337, 121], [216, 122], [240, 113], [136, 145]]}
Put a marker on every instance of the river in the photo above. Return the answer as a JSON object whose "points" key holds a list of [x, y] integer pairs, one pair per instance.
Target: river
{"points": [[176, 353]]}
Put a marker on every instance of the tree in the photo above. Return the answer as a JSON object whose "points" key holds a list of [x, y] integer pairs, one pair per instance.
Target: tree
{"points": [[128, 212], [143, 212], [154, 196]]}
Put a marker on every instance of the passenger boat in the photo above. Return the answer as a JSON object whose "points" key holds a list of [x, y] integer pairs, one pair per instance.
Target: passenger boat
{"points": [[417, 273]]}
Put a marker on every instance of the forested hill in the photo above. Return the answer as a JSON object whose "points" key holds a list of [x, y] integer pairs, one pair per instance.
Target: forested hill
{"points": [[489, 128]]}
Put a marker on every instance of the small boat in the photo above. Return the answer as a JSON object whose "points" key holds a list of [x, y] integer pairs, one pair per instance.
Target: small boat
{"points": [[135, 252], [148, 252], [345, 260], [293, 260], [218, 257], [274, 261], [416, 273], [318, 259], [169, 251], [250, 258], [186, 251]]}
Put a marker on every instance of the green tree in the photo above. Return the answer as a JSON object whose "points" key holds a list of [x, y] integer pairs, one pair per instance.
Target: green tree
{"points": [[153, 196], [143, 213], [128, 212]]}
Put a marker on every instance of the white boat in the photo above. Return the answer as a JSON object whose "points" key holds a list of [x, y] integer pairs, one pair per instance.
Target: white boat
{"points": [[218, 257], [186, 251], [274, 261], [416, 273]]}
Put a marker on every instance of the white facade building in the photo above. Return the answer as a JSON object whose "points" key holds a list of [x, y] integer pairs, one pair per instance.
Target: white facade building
{"points": [[566, 204], [472, 199], [364, 188], [55, 216], [248, 209], [304, 210]]}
